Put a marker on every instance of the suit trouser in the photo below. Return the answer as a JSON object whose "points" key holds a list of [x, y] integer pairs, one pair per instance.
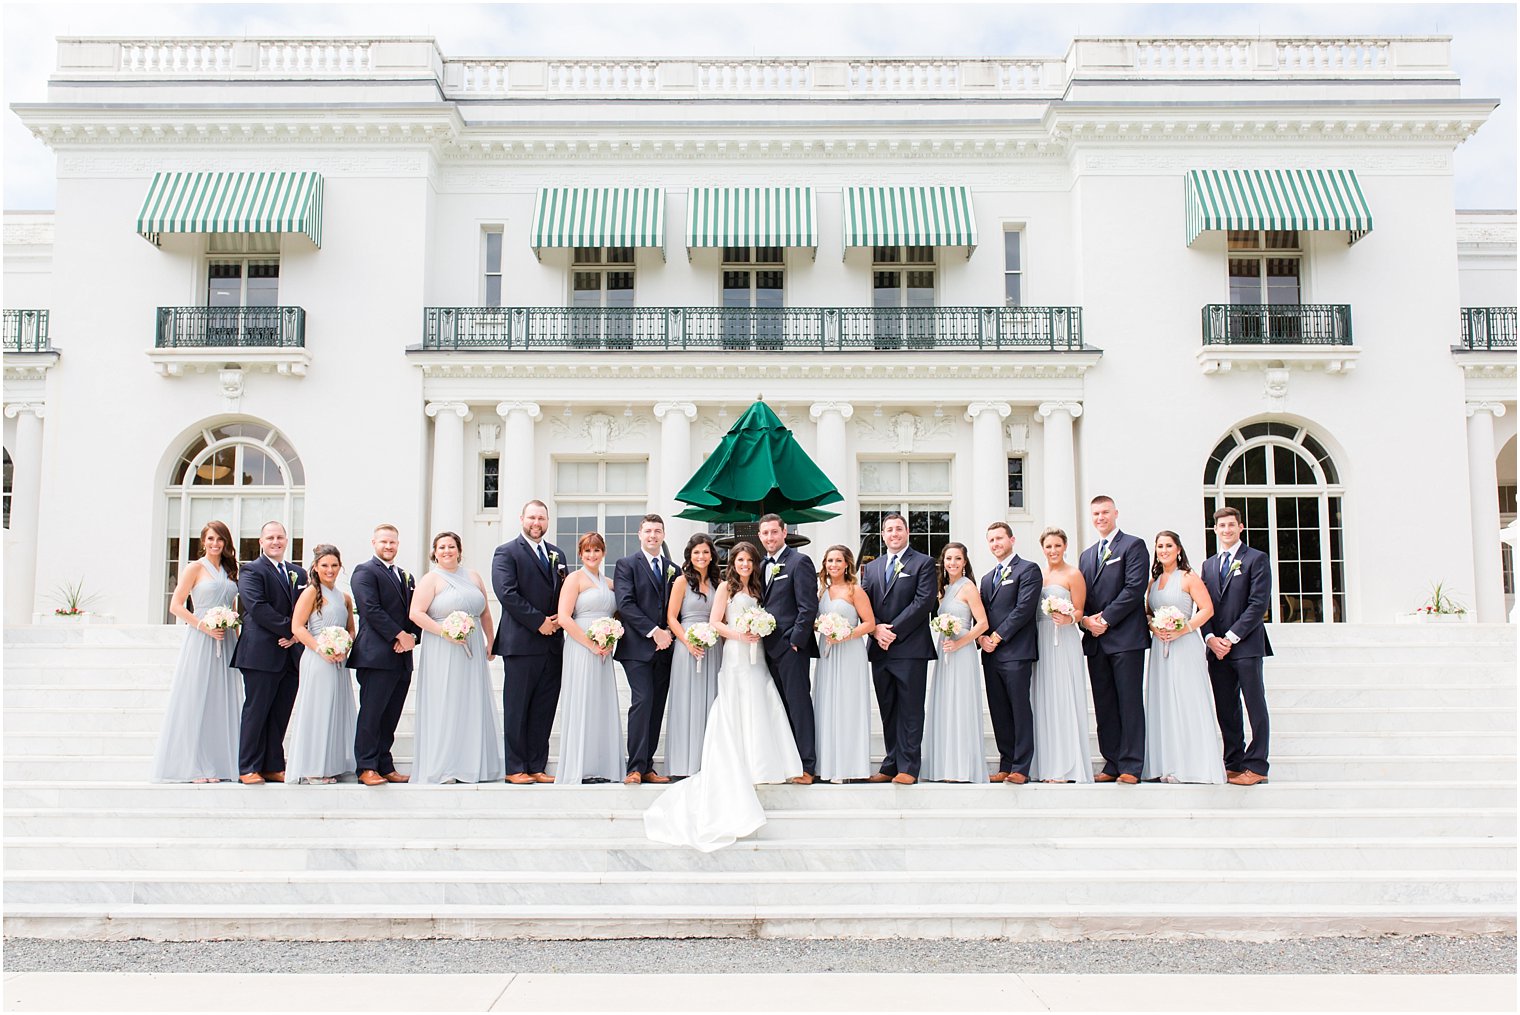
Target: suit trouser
{"points": [[529, 696], [900, 686], [382, 694], [268, 697], [648, 686], [1234, 679], [791, 671], [1118, 687], [1012, 714]]}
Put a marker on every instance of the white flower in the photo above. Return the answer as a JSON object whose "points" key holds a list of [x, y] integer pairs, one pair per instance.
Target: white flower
{"points": [[772, 571], [554, 556], [670, 570], [897, 568]]}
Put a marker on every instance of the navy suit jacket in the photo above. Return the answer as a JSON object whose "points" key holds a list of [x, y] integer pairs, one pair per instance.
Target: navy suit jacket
{"points": [[907, 604], [1116, 589], [267, 603], [1241, 604], [383, 607], [1012, 608], [792, 598], [641, 603], [527, 595]]}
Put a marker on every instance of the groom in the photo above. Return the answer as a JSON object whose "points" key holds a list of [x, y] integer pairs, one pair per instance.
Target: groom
{"points": [[791, 596], [1239, 579], [900, 585], [642, 583]]}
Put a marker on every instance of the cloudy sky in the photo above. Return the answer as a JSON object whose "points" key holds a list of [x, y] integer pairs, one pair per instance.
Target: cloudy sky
{"points": [[1483, 44]]}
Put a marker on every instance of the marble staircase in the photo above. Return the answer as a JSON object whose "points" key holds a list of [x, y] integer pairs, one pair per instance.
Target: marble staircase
{"points": [[1391, 809]]}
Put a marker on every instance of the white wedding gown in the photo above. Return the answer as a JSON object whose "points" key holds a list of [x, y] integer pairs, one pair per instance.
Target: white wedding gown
{"points": [[748, 741]]}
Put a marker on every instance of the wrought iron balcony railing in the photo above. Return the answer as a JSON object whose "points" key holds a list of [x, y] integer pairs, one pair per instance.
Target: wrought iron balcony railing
{"points": [[1488, 328], [26, 331], [819, 329], [230, 327], [1276, 324]]}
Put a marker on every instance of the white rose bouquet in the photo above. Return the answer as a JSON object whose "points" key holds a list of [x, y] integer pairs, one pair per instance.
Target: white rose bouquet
{"points": [[220, 618], [833, 628], [1168, 618], [605, 632], [334, 643], [947, 626], [701, 636], [757, 622], [1057, 606], [457, 627]]}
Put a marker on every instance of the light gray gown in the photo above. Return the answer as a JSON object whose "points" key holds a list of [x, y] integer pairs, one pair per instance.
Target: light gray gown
{"points": [[842, 700], [1058, 696], [201, 723], [693, 686], [458, 728], [590, 735], [1181, 744], [323, 719], [954, 747]]}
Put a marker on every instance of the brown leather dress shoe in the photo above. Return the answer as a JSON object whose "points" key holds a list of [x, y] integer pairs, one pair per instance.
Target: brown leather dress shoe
{"points": [[633, 779], [251, 779], [273, 776], [1104, 777], [542, 777], [805, 779], [520, 779], [656, 777], [370, 777], [880, 777], [998, 777], [1017, 778], [1229, 774], [903, 779], [1128, 780], [397, 777], [1247, 779]]}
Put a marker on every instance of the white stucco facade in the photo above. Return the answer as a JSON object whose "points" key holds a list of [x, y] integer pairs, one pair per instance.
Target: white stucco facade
{"points": [[1084, 157]]}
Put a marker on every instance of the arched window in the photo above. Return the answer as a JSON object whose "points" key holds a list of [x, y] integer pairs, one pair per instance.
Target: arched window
{"points": [[1286, 485], [244, 474]]}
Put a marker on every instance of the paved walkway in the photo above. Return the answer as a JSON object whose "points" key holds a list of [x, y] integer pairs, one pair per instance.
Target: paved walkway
{"points": [[640, 992]]}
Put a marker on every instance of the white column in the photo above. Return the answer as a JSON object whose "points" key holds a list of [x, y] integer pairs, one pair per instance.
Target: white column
{"points": [[675, 469], [1060, 476], [518, 466], [26, 501], [834, 460], [447, 510], [1483, 483], [989, 471]]}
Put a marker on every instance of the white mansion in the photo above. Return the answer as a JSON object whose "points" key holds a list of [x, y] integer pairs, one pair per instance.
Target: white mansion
{"points": [[345, 281]]}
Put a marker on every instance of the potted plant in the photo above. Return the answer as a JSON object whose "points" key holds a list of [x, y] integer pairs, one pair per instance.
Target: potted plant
{"points": [[73, 605], [1440, 608]]}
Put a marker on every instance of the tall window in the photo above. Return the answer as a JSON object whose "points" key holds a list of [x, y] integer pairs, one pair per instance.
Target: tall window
{"points": [[10, 471], [1506, 515], [918, 490], [1013, 268], [1016, 482], [601, 293], [243, 283], [605, 497], [902, 290], [752, 297], [1265, 271], [244, 474], [1283, 481], [491, 289], [490, 482]]}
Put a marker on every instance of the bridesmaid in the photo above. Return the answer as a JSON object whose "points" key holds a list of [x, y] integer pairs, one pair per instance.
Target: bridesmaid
{"points": [[199, 742], [323, 721], [1058, 693], [590, 738], [458, 733], [1180, 740], [954, 745], [842, 680], [693, 671]]}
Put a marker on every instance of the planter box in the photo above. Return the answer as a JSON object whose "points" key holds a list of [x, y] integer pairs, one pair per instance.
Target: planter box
{"points": [[79, 618], [1435, 618]]}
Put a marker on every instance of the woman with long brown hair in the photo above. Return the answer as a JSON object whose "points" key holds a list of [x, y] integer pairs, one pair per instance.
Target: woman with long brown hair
{"points": [[323, 721], [199, 742], [694, 670], [842, 681]]}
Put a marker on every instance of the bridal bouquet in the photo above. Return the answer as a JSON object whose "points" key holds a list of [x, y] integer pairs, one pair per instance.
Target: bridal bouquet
{"points": [[457, 627], [701, 636], [1053, 606], [604, 633], [833, 627], [757, 622], [1168, 618], [947, 626], [334, 643], [220, 618]]}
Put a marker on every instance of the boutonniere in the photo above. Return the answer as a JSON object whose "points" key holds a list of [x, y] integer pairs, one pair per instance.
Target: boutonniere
{"points": [[1108, 551], [772, 571], [670, 572], [897, 568], [406, 576], [1234, 567], [292, 576], [554, 557]]}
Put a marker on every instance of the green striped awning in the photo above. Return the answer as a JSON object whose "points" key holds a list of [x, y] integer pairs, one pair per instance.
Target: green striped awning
{"points": [[751, 217], [233, 203], [1305, 199], [910, 216], [599, 217]]}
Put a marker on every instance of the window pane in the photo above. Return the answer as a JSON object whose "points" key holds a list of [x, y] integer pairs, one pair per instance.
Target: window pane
{"points": [[1011, 251], [1016, 482], [224, 285], [1244, 239], [886, 255], [626, 477], [260, 470], [735, 280], [493, 290], [262, 243], [886, 288], [619, 255], [1282, 240], [217, 469], [929, 477], [920, 255], [490, 483], [1245, 281], [920, 289], [588, 255], [569, 527], [880, 477], [205, 509], [587, 281], [768, 255], [736, 255], [1256, 465], [493, 252], [1012, 290], [619, 282], [768, 288], [622, 531], [255, 511], [575, 477]]}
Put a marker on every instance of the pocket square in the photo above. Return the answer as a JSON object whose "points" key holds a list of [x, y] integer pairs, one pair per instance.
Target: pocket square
{"points": [[1112, 560], [780, 578]]}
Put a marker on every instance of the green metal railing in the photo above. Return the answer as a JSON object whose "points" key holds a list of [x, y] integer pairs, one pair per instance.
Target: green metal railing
{"points": [[231, 327], [1488, 327], [1276, 324], [26, 331], [821, 329]]}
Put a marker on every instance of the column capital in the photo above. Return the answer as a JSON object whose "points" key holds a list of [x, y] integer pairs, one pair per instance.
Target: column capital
{"points": [[1473, 408], [976, 409], [662, 409], [1074, 409], [817, 409], [459, 409], [15, 409], [530, 409]]}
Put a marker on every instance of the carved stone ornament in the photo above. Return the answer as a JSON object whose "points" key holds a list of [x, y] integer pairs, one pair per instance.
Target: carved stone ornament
{"points": [[601, 431], [232, 386]]}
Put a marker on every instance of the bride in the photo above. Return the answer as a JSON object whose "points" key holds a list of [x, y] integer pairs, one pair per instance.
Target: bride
{"points": [[748, 739]]}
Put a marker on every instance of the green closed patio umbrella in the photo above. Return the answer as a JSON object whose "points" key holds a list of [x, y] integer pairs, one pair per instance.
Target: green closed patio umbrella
{"points": [[758, 468]]}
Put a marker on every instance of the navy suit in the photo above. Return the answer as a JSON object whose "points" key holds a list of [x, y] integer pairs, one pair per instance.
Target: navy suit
{"points": [[270, 673], [641, 601], [1012, 602], [901, 672], [383, 601], [1116, 661], [791, 596], [1240, 606], [528, 591]]}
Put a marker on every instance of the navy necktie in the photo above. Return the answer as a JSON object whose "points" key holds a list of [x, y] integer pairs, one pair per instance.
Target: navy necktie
{"points": [[543, 559]]}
